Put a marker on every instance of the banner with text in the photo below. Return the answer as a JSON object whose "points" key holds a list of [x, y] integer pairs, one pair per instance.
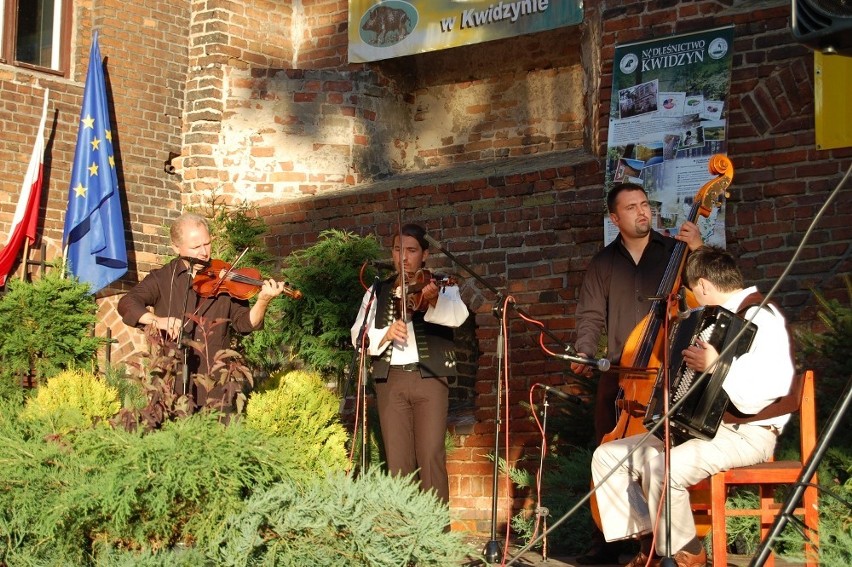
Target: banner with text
{"points": [[667, 117], [393, 28]]}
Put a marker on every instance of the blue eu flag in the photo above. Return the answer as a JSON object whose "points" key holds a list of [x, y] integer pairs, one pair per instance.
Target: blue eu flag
{"points": [[94, 230]]}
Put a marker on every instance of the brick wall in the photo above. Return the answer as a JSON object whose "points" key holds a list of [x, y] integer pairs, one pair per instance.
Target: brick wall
{"points": [[530, 220], [496, 148], [144, 46]]}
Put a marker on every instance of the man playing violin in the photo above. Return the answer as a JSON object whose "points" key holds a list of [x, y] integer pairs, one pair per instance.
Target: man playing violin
{"points": [[413, 354], [166, 295], [614, 299], [757, 383]]}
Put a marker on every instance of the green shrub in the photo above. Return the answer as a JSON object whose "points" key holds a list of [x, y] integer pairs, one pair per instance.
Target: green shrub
{"points": [[197, 492], [72, 399], [374, 520], [62, 499], [315, 329], [45, 327], [303, 409]]}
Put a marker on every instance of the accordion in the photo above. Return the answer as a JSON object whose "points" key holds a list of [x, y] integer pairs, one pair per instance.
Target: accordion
{"points": [[701, 412]]}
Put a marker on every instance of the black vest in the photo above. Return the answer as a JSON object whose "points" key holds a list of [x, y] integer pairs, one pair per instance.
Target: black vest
{"points": [[435, 346]]}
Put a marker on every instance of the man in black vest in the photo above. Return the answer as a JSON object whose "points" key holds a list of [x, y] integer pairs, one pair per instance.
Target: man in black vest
{"points": [[413, 354]]}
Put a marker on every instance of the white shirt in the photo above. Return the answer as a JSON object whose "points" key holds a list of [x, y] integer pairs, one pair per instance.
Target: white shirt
{"points": [[765, 372], [449, 311]]}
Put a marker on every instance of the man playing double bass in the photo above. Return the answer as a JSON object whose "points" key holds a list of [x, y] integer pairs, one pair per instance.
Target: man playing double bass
{"points": [[614, 299], [758, 384]]}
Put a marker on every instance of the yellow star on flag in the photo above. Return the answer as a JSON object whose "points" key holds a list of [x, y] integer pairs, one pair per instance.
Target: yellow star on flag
{"points": [[80, 190], [88, 122], [109, 135], [112, 161], [96, 142], [93, 169]]}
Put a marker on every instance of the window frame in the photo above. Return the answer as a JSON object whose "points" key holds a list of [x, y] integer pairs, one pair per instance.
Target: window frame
{"points": [[9, 31]]}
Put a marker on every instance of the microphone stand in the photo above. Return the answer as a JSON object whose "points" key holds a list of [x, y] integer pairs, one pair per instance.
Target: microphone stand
{"points": [[678, 299], [181, 346], [493, 551], [361, 359], [808, 470]]}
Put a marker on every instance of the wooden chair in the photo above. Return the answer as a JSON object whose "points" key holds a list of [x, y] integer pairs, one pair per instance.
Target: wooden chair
{"points": [[708, 497]]}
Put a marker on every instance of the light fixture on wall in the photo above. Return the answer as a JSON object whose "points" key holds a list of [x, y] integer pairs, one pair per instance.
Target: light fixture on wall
{"points": [[168, 167]]}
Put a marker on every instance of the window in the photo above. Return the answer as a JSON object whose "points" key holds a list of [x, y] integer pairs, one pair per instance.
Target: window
{"points": [[36, 34]]}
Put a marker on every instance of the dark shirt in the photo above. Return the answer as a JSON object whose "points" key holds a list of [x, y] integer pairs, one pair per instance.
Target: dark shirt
{"points": [[614, 291], [165, 289]]}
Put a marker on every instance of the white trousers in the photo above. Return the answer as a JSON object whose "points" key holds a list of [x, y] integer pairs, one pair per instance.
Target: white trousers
{"points": [[629, 501]]}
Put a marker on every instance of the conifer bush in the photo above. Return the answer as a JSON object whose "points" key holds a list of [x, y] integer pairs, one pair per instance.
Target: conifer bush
{"points": [[374, 520], [45, 327], [315, 328], [302, 408], [73, 399], [62, 499]]}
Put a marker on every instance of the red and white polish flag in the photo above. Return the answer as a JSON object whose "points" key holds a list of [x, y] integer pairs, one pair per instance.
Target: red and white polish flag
{"points": [[26, 214]]}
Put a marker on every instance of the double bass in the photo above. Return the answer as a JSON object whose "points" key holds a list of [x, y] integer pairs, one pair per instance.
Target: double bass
{"points": [[644, 352]]}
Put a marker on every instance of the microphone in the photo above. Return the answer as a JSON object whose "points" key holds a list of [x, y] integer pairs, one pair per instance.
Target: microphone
{"points": [[382, 265], [196, 261], [571, 398], [602, 364]]}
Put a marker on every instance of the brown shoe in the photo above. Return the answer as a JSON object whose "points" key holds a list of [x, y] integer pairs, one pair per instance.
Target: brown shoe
{"points": [[641, 560], [685, 559]]}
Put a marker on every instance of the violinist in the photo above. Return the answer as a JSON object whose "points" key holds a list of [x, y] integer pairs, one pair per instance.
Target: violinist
{"points": [[613, 299], [164, 297], [413, 354]]}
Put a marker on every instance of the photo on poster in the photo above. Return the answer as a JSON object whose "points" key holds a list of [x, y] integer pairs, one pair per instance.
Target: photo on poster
{"points": [[628, 171], [712, 110], [714, 131], [649, 152], [671, 142], [637, 100], [652, 178], [693, 104], [692, 137], [671, 104]]}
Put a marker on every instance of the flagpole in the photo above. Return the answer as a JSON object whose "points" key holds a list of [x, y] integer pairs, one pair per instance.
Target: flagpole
{"points": [[25, 259], [64, 260]]}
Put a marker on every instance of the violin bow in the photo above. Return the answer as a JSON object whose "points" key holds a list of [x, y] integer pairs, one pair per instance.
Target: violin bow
{"points": [[230, 269], [403, 308]]}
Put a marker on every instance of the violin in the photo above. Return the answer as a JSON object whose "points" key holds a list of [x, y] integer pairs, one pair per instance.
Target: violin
{"points": [[240, 283], [414, 299]]}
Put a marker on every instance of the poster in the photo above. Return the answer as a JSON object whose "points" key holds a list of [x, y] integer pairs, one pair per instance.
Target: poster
{"points": [[381, 29], [668, 115]]}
